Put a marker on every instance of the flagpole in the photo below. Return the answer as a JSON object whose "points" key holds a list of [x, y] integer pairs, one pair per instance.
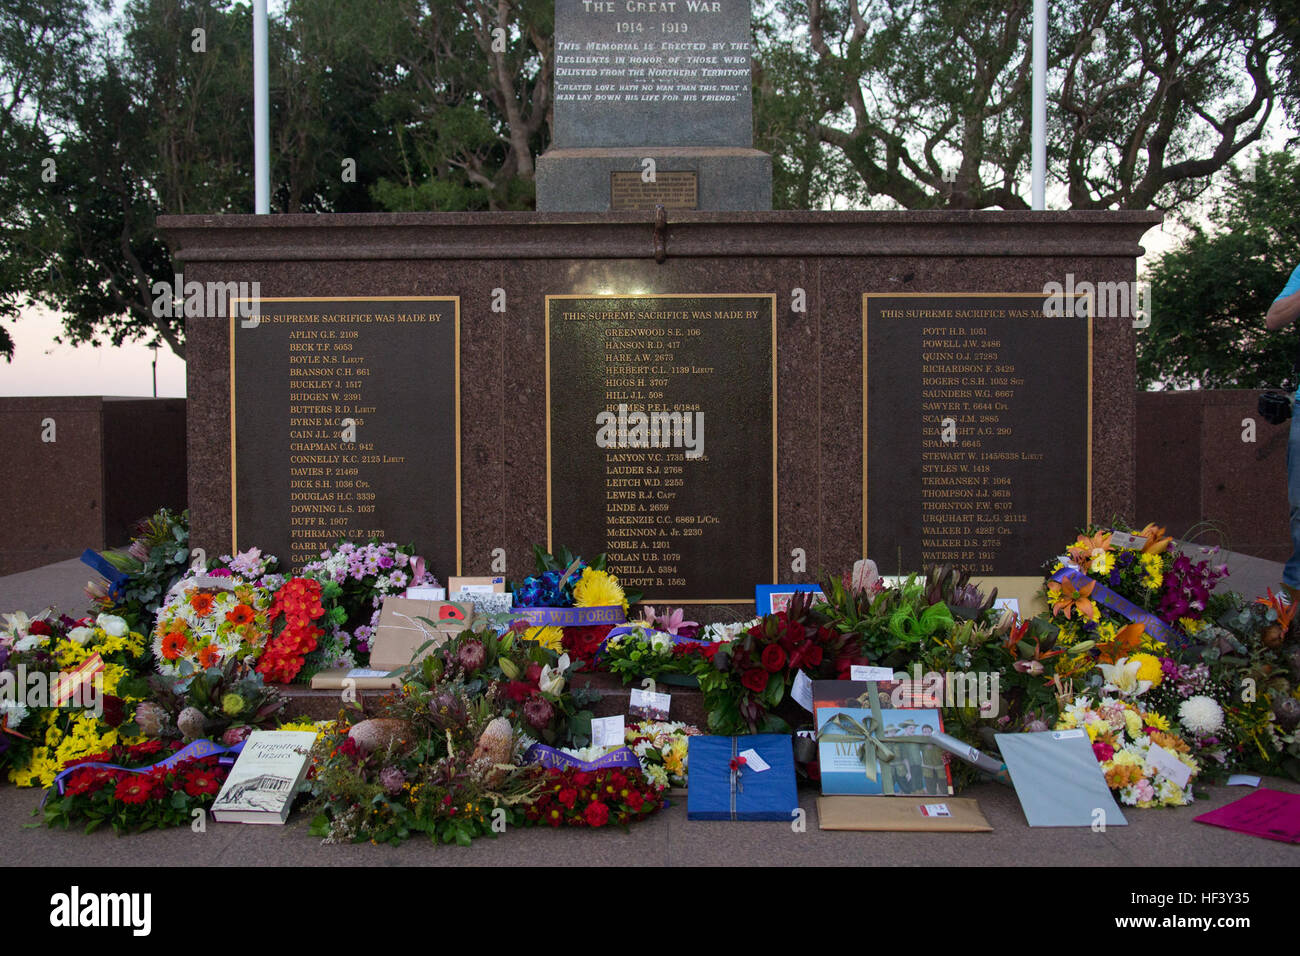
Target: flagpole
{"points": [[1038, 156], [261, 113]]}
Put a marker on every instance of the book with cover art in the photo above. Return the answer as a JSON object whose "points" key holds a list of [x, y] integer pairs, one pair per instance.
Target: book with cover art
{"points": [[868, 746], [263, 781]]}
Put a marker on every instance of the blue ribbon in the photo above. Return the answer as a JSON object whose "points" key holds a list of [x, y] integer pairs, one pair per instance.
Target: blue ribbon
{"points": [[1122, 605], [195, 751], [116, 579], [550, 757]]}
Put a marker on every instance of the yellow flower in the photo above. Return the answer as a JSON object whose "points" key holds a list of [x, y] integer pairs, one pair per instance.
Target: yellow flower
{"points": [[598, 589], [1190, 625], [1158, 721], [1149, 669], [1132, 723], [551, 637], [1093, 727]]}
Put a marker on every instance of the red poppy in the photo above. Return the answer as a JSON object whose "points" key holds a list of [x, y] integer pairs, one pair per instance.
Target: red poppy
{"points": [[596, 814], [240, 615], [134, 789]]}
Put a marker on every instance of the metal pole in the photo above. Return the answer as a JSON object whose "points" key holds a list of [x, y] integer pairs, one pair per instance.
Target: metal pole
{"points": [[1038, 157], [261, 113]]}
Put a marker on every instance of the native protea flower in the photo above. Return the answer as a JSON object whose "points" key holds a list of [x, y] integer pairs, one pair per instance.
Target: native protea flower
{"points": [[392, 780], [471, 655]]}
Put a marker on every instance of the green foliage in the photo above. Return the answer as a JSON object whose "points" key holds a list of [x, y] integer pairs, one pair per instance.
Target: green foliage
{"points": [[1209, 296], [166, 537]]}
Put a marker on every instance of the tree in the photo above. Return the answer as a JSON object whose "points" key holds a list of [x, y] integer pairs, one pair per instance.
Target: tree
{"points": [[928, 101], [1209, 296]]}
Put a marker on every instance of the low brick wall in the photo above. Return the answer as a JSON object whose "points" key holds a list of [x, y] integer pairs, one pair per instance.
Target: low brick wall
{"points": [[111, 462], [1197, 464]]}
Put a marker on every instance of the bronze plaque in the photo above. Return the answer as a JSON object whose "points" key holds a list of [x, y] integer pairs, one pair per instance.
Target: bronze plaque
{"points": [[672, 190], [345, 424], [661, 440], [977, 430]]}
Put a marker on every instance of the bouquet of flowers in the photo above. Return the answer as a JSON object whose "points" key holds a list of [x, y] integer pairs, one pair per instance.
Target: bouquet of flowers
{"points": [[156, 557], [203, 626], [593, 798], [638, 653], [86, 674], [661, 747], [294, 611], [356, 579], [1123, 737], [225, 703], [566, 580]]}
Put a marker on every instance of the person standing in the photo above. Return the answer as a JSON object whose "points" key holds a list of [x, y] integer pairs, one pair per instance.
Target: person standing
{"points": [[1285, 310]]}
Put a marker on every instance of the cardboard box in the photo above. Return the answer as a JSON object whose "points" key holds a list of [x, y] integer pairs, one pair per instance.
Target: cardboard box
{"points": [[401, 631], [495, 584], [934, 814], [362, 678]]}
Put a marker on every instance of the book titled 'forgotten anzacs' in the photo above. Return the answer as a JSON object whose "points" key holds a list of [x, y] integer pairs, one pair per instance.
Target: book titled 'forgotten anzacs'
{"points": [[263, 781]]}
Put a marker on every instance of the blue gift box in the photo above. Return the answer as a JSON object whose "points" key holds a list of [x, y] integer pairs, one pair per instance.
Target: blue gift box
{"points": [[713, 794]]}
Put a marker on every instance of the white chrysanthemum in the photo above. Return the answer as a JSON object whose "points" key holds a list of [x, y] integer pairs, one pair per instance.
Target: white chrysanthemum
{"points": [[1201, 715]]}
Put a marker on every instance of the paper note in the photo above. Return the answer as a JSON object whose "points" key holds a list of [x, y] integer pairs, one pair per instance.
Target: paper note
{"points": [[645, 704], [426, 592], [862, 672], [1008, 604], [801, 692], [1169, 765], [1127, 542], [607, 731], [753, 761], [934, 810], [1243, 780], [1266, 813], [366, 672], [1065, 734]]}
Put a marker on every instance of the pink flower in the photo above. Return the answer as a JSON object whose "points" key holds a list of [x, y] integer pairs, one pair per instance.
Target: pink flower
{"points": [[1103, 751]]}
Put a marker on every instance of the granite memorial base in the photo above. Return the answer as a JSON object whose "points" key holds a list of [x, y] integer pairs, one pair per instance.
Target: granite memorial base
{"points": [[601, 180]]}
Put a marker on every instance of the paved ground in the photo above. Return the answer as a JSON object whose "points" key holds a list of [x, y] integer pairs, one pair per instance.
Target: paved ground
{"points": [[1153, 838]]}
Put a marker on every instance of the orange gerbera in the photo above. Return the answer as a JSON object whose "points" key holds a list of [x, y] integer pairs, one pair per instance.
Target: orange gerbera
{"points": [[1069, 599], [1157, 541], [1127, 640], [240, 614], [209, 655], [202, 603], [173, 645]]}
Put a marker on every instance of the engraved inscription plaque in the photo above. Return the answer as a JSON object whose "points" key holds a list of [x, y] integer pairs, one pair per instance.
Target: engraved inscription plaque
{"points": [[661, 431], [976, 430], [345, 424]]}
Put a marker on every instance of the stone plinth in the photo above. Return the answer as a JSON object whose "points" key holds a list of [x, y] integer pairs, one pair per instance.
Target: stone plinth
{"points": [[598, 180], [822, 262]]}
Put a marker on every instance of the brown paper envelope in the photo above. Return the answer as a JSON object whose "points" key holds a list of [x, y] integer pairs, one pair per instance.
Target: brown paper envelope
{"points": [[401, 632], [899, 813], [333, 680]]}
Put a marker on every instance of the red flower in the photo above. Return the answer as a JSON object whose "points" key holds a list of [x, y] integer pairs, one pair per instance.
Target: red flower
{"points": [[755, 680], [240, 615], [198, 782], [773, 658], [1102, 750], [145, 749], [87, 780], [134, 789], [40, 627], [582, 779], [597, 814], [568, 796], [202, 603], [173, 645], [635, 801], [533, 673], [518, 691]]}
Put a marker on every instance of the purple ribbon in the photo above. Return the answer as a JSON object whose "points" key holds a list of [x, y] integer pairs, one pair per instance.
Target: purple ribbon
{"points": [[558, 759], [570, 616], [650, 632], [1122, 605], [195, 751]]}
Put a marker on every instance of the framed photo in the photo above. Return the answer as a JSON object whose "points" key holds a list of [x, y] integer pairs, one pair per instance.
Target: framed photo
{"points": [[770, 598]]}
